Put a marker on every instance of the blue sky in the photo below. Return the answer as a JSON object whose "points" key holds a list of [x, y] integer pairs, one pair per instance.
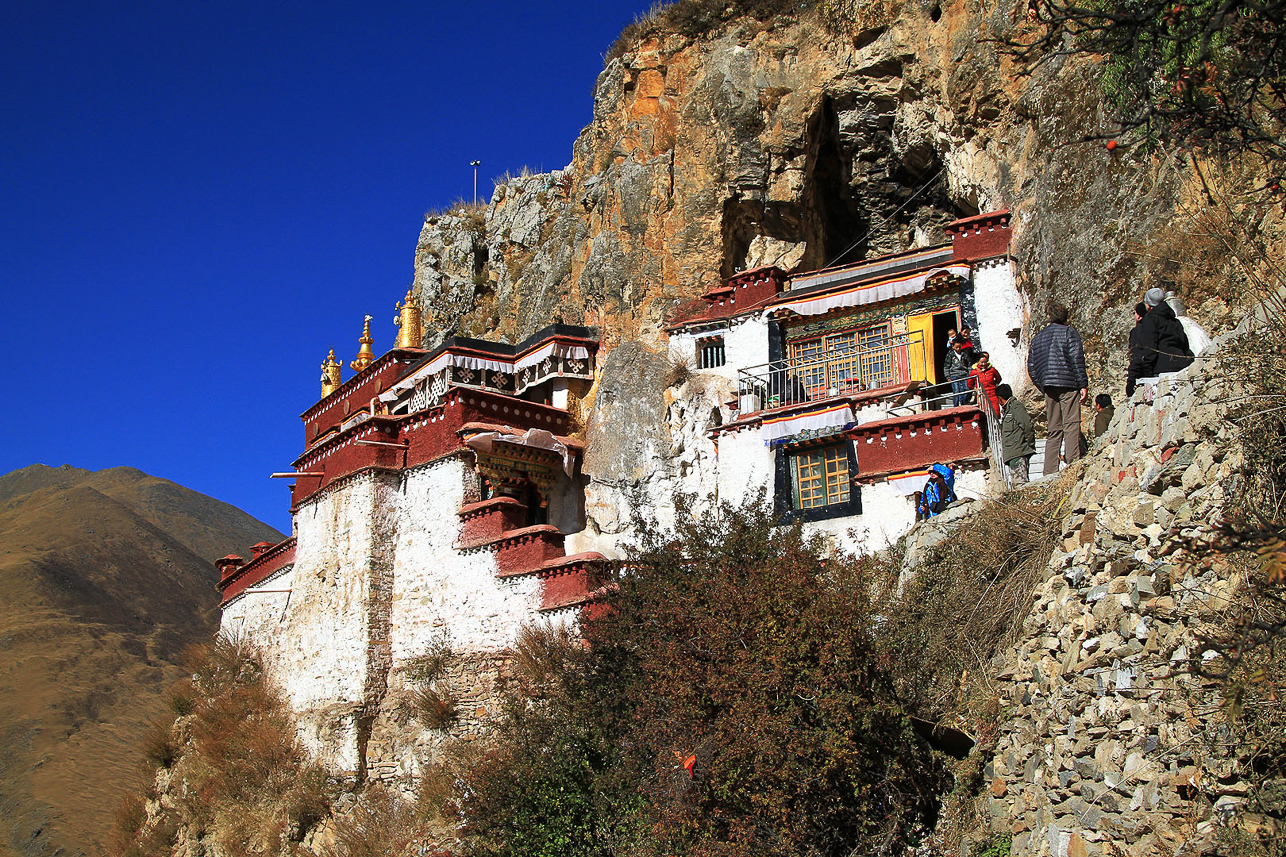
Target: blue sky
{"points": [[197, 200]]}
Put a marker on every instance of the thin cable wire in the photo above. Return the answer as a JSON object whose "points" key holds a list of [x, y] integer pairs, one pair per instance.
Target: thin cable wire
{"points": [[895, 213]]}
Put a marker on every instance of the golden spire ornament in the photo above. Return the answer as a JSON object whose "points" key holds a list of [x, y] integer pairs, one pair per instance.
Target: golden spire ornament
{"points": [[330, 379], [364, 354], [409, 331]]}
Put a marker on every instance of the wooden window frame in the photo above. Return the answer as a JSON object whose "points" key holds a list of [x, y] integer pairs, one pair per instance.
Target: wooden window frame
{"points": [[711, 353], [839, 372], [821, 477]]}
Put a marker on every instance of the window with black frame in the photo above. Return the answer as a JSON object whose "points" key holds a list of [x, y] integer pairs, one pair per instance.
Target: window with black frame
{"points": [[710, 354], [820, 477]]}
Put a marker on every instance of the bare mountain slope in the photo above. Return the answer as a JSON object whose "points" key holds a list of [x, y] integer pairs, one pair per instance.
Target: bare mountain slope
{"points": [[105, 578]]}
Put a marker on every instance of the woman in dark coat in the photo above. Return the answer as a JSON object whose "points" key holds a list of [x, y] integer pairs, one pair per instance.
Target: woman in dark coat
{"points": [[1157, 343]]}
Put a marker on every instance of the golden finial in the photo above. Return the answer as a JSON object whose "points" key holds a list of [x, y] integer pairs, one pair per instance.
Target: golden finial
{"points": [[364, 354], [330, 379], [409, 332]]}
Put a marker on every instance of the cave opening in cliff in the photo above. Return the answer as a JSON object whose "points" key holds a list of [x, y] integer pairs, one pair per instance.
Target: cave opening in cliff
{"points": [[857, 198], [836, 220]]}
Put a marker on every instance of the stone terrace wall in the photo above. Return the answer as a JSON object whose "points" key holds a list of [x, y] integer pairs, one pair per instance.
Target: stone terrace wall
{"points": [[1111, 742]]}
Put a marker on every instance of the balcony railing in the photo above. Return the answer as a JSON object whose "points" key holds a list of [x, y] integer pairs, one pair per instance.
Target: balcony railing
{"points": [[837, 373]]}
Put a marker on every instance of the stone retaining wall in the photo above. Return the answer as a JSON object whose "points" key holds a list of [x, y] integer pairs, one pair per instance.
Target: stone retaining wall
{"points": [[1111, 741]]}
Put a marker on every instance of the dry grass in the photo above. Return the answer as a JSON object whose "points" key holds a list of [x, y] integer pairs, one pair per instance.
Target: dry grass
{"points": [[678, 372], [159, 746], [435, 709], [181, 699], [430, 699], [1258, 417], [474, 214], [695, 18], [238, 775], [965, 607], [379, 824], [970, 597], [128, 820]]}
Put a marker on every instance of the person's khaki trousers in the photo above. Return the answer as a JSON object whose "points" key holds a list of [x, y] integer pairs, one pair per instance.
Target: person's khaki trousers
{"points": [[1063, 412]]}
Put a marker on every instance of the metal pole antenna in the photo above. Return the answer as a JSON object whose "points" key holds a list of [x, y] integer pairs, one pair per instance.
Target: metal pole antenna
{"points": [[475, 165]]}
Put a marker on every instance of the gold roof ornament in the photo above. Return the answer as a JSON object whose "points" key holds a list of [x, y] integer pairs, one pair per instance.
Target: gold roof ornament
{"points": [[410, 332], [364, 356], [330, 378]]}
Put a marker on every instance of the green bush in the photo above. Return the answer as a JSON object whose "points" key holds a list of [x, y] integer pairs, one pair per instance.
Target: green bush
{"points": [[742, 644]]}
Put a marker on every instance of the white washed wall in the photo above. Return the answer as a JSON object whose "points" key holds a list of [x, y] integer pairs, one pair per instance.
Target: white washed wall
{"points": [[745, 466], [1001, 309], [441, 595], [746, 344], [258, 617], [315, 640]]}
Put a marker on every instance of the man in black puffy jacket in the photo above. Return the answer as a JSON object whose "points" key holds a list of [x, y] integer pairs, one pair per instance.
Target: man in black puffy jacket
{"points": [[1158, 343], [1056, 364]]}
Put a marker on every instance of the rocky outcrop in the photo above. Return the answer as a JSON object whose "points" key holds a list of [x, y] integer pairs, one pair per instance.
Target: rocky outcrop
{"points": [[1114, 743], [810, 140]]}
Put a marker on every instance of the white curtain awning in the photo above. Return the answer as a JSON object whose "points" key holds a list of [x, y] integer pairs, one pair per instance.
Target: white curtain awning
{"points": [[466, 361], [908, 483], [836, 416], [536, 438], [556, 349], [867, 294]]}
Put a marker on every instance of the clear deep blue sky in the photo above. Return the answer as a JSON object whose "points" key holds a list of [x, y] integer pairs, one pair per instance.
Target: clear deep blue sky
{"points": [[197, 200]]}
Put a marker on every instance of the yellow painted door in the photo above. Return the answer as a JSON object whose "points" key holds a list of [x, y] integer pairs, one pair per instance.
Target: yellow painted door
{"points": [[920, 355]]}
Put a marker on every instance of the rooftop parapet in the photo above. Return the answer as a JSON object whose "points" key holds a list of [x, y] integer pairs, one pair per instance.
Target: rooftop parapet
{"points": [[983, 236], [235, 579]]}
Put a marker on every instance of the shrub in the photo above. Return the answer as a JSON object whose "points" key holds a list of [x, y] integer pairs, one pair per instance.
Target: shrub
{"points": [[995, 846], [742, 645], [240, 778], [182, 698], [430, 698], [309, 800], [378, 824], [129, 818], [433, 708], [159, 746]]}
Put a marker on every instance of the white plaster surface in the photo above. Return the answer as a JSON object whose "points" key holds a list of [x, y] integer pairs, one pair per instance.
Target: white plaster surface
{"points": [[321, 640], [1000, 309], [440, 594], [745, 344], [745, 466], [255, 614], [315, 645]]}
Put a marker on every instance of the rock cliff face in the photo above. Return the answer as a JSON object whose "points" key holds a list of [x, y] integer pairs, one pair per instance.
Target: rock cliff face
{"points": [[802, 142]]}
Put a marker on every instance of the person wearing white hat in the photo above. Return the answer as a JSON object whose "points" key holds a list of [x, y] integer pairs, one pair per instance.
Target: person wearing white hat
{"points": [[1158, 344]]}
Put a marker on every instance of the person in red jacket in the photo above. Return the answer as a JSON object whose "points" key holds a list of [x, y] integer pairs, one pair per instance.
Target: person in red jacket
{"points": [[984, 378]]}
